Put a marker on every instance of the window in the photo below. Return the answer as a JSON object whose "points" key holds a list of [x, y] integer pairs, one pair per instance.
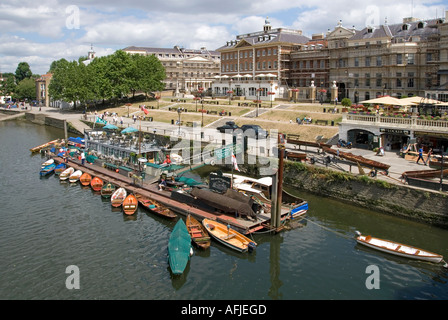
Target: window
{"points": [[356, 62], [379, 62], [399, 80], [367, 79], [410, 79], [379, 79], [411, 58], [367, 62], [399, 58]]}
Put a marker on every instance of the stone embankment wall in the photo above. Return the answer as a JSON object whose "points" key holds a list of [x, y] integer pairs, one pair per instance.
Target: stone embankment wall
{"points": [[375, 194]]}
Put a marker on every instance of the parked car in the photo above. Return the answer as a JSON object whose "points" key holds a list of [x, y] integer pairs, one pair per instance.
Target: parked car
{"points": [[230, 126], [253, 129]]}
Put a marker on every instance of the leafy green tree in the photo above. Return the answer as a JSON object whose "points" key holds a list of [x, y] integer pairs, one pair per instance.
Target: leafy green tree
{"points": [[23, 71], [55, 64], [346, 102], [26, 89], [9, 84]]}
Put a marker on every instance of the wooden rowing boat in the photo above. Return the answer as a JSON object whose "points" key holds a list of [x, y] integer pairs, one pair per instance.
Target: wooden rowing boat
{"points": [[75, 176], [85, 179], [96, 184], [117, 197], [66, 173], [155, 207], [38, 148], [47, 163], [357, 159], [228, 236], [130, 204], [47, 170], [179, 248], [60, 168], [424, 174], [107, 190], [198, 233], [397, 249]]}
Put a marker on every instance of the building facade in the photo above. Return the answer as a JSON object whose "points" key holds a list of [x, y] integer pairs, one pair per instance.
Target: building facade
{"points": [[42, 96], [187, 70], [257, 65]]}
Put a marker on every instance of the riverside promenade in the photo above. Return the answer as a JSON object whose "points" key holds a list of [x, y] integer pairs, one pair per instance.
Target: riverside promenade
{"points": [[397, 164]]}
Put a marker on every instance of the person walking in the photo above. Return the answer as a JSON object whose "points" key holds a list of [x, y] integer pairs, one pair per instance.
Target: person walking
{"points": [[83, 158], [420, 155]]}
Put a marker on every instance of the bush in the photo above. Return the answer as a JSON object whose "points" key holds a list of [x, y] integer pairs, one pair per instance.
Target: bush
{"points": [[346, 102]]}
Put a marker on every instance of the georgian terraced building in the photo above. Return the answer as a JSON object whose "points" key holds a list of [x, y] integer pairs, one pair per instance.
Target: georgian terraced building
{"points": [[257, 65], [187, 70]]}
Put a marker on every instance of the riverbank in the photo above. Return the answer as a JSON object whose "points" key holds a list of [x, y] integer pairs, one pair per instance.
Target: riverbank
{"points": [[374, 194]]}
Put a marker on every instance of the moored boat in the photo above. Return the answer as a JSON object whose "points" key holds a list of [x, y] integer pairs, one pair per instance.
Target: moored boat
{"points": [[66, 173], [155, 207], [85, 179], [179, 248], [38, 148], [228, 236], [107, 190], [47, 170], [96, 184], [130, 204], [47, 163], [60, 168], [74, 177], [116, 200], [198, 233], [397, 249]]}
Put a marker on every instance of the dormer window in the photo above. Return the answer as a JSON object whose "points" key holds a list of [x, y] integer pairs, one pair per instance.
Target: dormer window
{"points": [[370, 29], [421, 25], [405, 27]]}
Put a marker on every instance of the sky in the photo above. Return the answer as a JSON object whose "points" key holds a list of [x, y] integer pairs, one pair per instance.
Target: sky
{"points": [[40, 32]]}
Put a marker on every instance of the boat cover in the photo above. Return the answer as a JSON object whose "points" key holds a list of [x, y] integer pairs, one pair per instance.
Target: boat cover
{"points": [[179, 247], [223, 202]]}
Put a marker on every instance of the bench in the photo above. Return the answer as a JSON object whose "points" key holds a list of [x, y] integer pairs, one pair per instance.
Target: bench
{"points": [[210, 101], [213, 112], [110, 166], [189, 124], [178, 100], [323, 122]]}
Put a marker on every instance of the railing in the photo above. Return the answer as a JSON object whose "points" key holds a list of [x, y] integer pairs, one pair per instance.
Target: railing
{"points": [[412, 122]]}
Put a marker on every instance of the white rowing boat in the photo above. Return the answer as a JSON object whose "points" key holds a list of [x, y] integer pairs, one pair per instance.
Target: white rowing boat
{"points": [[397, 249]]}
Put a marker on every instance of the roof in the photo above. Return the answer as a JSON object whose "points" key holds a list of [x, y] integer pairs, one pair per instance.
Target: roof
{"points": [[406, 30], [272, 37], [174, 50]]}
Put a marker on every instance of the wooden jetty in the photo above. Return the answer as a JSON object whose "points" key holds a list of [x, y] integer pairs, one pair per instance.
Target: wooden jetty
{"points": [[151, 190]]}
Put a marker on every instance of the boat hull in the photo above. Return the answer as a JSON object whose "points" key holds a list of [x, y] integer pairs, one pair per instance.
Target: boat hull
{"points": [[66, 174], [398, 249], [198, 233], [96, 184], [107, 190], [75, 176], [85, 179], [155, 207], [130, 204], [228, 237], [116, 200]]}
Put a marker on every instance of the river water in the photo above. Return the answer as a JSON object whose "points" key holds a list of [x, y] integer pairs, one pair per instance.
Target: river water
{"points": [[47, 226]]}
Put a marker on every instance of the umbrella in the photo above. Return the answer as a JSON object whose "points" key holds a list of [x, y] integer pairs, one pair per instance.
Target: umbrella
{"points": [[418, 100], [388, 101], [110, 127], [129, 130]]}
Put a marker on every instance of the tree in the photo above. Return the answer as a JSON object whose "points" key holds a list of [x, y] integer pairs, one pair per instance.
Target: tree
{"points": [[26, 89], [8, 86], [346, 102], [55, 64], [23, 71]]}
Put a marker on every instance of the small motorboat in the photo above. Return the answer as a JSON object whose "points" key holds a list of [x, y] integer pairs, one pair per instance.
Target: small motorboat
{"points": [[85, 179], [66, 173], [47, 170], [107, 190], [397, 249], [47, 163], [130, 204], [198, 233], [155, 207], [96, 184], [75, 176], [228, 236], [117, 197]]}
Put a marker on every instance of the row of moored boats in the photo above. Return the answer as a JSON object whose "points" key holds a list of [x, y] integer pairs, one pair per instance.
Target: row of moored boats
{"points": [[183, 234]]}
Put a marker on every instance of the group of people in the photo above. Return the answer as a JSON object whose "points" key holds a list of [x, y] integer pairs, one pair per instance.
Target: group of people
{"points": [[306, 120]]}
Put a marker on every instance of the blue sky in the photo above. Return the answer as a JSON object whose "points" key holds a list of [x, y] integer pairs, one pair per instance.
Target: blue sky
{"points": [[39, 32]]}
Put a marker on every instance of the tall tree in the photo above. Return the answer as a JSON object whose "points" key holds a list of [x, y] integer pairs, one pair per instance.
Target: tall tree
{"points": [[23, 71], [26, 89]]}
